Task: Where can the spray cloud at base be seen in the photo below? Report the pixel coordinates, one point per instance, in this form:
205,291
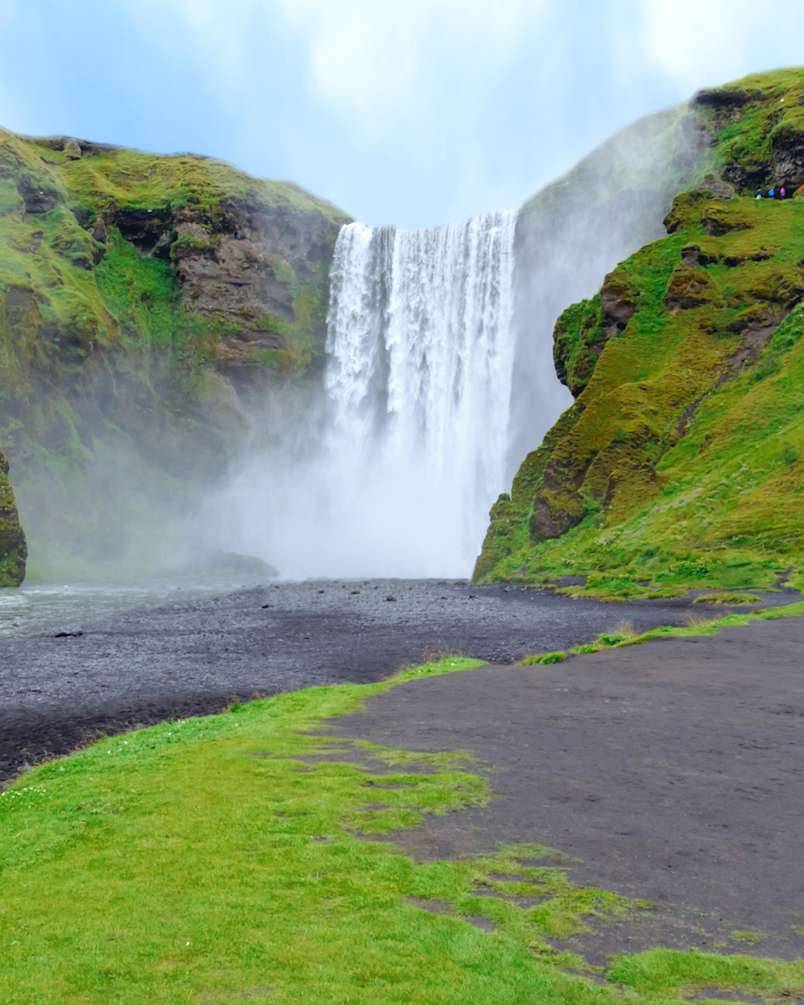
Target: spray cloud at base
411,435
439,375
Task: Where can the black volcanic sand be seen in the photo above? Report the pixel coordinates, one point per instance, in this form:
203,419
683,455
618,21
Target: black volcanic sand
671,771
181,659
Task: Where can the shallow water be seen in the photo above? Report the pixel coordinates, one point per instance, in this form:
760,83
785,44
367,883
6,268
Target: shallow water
69,606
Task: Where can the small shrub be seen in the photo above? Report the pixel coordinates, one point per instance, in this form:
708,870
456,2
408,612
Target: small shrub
543,659
698,621
727,598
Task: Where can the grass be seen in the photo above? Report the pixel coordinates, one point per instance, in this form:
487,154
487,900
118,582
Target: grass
100,348
728,598
236,857
624,634
680,465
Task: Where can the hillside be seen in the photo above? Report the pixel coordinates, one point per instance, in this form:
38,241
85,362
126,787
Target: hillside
141,297
13,548
680,463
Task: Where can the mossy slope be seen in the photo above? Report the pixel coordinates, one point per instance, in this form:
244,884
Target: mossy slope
140,297
681,462
13,548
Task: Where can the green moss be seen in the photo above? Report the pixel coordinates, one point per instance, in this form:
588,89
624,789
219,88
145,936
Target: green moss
622,636
98,346
272,885
679,466
728,598
13,548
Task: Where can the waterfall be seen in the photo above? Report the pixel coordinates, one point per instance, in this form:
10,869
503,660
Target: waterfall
391,471
418,381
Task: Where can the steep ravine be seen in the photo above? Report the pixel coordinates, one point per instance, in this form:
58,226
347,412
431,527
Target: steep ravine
680,462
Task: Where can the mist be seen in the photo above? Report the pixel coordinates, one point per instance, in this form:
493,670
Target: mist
437,379
439,376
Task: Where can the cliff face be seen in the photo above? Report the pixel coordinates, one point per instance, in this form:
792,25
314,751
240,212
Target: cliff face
13,549
141,298
577,229
680,462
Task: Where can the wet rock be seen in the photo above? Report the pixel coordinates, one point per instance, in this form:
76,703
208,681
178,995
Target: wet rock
788,157
689,287
617,299
693,254
38,198
13,546
723,97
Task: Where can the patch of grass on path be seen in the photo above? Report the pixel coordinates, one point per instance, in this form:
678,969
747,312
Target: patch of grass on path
620,636
228,858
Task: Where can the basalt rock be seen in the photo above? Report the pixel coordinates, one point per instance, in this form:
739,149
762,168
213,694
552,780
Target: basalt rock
38,198
13,548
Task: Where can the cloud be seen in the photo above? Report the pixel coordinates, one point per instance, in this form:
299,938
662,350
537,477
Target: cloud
219,35
375,64
696,42
10,106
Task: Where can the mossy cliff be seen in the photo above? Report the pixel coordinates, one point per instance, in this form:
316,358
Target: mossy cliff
13,549
681,462
577,229
141,297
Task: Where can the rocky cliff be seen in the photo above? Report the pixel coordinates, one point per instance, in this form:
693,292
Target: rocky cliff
680,462
13,549
141,298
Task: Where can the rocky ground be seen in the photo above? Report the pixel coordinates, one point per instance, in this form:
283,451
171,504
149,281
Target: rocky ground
671,771
77,680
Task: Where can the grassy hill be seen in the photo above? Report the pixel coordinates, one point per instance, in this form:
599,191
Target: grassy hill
681,462
140,297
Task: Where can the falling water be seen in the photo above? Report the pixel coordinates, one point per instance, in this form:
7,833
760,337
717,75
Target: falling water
420,356
393,472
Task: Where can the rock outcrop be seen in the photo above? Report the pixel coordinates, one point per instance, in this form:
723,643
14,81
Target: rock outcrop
143,300
13,549
680,462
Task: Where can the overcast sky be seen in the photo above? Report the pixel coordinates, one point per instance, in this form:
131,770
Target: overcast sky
412,112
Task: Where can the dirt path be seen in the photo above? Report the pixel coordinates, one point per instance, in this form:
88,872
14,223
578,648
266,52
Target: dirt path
672,771
59,689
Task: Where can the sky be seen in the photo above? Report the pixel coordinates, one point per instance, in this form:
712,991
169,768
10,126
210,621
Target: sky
415,112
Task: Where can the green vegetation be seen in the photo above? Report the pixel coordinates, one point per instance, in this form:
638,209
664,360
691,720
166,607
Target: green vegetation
233,857
145,181
624,634
680,465
728,598
13,548
133,287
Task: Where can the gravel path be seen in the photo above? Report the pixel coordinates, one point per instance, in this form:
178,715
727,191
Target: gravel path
184,658
672,771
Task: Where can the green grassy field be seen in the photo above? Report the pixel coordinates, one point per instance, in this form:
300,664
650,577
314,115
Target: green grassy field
239,857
